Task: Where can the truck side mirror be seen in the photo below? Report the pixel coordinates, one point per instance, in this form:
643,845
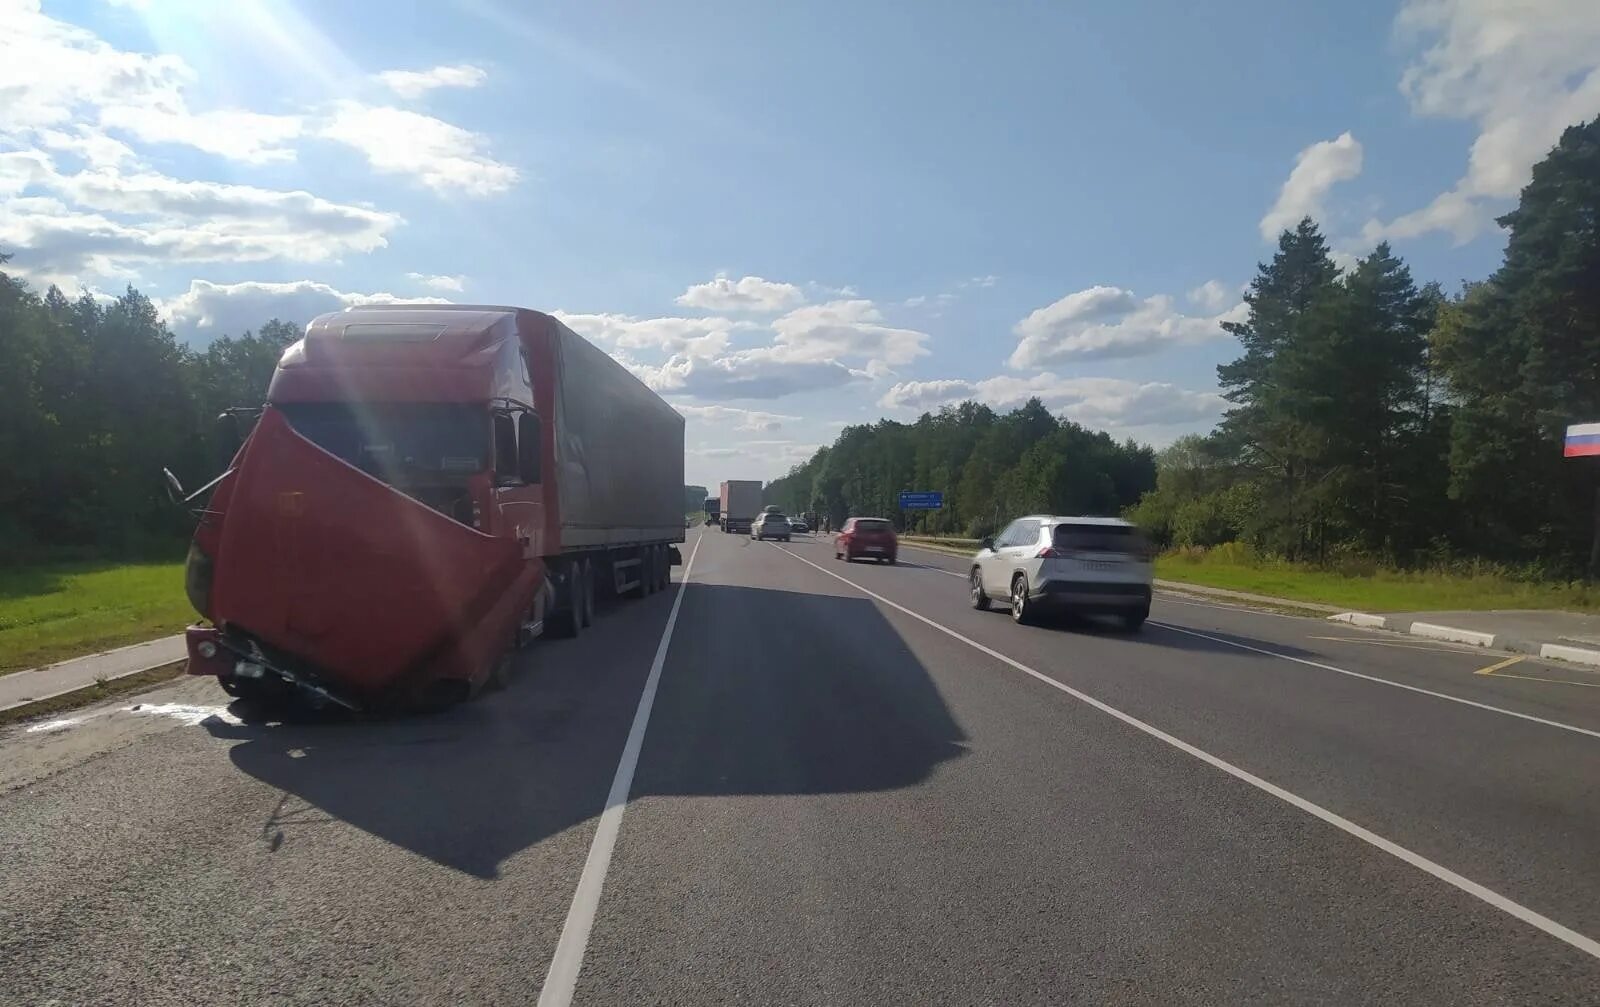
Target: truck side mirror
505,448
528,436
228,439
175,491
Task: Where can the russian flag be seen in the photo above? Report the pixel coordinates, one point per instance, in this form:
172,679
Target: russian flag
1583,440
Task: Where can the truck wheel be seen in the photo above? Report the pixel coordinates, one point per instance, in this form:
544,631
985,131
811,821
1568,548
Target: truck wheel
586,595
565,619
645,573
663,568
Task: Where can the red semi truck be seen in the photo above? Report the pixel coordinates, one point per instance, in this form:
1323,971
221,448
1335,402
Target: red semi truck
427,487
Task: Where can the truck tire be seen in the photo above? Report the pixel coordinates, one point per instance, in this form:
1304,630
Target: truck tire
586,595
645,573
565,619
663,568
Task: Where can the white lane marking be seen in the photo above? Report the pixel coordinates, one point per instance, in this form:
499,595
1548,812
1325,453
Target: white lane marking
1381,681
565,964
934,569
1587,945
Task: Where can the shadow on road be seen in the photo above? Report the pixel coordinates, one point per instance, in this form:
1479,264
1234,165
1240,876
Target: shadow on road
764,692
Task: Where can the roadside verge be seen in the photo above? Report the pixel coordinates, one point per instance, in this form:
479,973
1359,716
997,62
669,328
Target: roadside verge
1558,636
36,686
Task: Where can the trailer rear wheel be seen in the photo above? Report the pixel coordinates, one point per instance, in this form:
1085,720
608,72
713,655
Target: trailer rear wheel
663,568
586,594
644,577
565,620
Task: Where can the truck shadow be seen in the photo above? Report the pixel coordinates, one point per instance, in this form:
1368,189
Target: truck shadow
763,693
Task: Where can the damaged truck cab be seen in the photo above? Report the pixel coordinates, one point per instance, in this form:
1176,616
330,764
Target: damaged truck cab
427,487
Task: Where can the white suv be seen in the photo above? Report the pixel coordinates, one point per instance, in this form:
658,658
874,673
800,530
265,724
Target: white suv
1080,564
770,525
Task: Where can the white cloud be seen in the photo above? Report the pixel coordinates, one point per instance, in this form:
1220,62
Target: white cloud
452,283
748,293
103,220
1112,404
1521,72
916,302
690,337
1212,295
762,373
1110,322
921,395
731,418
91,146
1316,170
54,74
981,281
781,454
217,309
415,83
846,329
396,141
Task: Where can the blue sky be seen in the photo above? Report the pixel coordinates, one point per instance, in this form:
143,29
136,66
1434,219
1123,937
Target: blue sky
785,218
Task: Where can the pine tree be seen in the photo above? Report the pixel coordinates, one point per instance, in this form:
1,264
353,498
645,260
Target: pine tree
1521,353
1271,387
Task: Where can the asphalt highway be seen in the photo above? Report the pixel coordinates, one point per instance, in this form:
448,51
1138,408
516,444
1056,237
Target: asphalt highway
793,780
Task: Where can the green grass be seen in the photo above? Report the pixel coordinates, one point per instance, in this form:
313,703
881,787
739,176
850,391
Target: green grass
1364,587
53,611
1370,588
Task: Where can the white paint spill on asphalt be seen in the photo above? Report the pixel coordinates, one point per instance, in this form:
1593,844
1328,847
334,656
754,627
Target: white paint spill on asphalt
187,713
56,725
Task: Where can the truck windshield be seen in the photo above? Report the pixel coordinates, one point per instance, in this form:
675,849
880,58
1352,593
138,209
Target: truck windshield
409,442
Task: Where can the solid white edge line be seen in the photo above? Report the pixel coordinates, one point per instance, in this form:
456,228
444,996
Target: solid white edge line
1534,919
567,961
1381,681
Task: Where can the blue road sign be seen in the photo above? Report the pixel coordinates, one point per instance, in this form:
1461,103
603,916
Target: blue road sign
924,500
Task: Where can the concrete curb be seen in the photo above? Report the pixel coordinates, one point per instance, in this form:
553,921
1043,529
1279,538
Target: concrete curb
37,685
1471,637
1451,634
1361,619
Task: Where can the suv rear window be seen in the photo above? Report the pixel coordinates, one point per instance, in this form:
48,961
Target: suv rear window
1099,538
874,526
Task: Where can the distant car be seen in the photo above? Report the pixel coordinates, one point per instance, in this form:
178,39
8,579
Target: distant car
866,538
798,524
770,525
1044,563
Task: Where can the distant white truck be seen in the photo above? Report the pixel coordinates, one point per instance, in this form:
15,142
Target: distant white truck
741,502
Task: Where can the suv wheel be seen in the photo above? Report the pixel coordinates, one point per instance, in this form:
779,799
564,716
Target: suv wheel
1020,608
980,601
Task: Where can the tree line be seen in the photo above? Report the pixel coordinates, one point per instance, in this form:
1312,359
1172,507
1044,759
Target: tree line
1369,417
96,397
990,466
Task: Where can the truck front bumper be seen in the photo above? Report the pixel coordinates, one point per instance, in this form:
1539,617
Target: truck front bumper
208,655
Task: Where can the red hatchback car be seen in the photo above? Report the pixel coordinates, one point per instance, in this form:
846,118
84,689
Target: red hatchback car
866,537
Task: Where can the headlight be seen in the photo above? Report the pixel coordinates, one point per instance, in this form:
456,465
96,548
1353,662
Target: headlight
207,649
197,580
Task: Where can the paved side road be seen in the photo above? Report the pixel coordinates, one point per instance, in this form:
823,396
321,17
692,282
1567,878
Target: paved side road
20,688
844,786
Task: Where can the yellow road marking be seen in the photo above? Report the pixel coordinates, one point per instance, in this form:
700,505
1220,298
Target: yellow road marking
1553,681
1508,662
1388,643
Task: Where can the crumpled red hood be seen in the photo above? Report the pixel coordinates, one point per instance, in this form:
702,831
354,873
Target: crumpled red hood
322,560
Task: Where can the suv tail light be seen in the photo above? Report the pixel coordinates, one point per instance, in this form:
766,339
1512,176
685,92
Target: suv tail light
1048,552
